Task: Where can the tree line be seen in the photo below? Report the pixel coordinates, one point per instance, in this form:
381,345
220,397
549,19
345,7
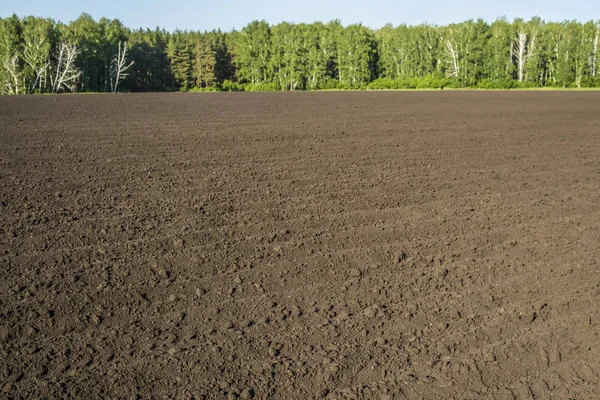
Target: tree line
39,55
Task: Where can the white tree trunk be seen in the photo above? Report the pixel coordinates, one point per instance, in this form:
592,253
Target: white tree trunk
594,54
520,52
11,66
454,70
119,66
33,55
66,71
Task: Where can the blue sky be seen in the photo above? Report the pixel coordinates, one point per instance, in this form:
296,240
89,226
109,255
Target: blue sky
228,14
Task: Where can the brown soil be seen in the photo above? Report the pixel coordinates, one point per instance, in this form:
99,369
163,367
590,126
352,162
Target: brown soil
307,245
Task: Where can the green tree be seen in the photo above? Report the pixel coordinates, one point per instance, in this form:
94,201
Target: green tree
224,68
205,64
301,56
428,39
392,51
356,56
254,52
289,56
499,67
38,37
86,35
152,69
11,66
112,33
316,61
180,55
587,35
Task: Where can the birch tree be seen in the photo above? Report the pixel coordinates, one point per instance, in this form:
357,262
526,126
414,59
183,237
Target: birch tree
13,77
10,64
317,57
464,51
519,51
356,50
427,38
564,55
36,52
452,50
254,52
523,48
590,43
431,39
282,55
328,48
498,52
453,70
394,51
119,66
594,56
453,47
66,72
289,56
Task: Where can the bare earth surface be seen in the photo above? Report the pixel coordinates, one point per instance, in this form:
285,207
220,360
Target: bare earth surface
437,245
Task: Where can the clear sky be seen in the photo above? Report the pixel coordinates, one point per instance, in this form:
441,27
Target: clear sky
228,14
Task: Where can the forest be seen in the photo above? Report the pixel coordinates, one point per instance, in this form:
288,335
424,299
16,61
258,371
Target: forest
40,55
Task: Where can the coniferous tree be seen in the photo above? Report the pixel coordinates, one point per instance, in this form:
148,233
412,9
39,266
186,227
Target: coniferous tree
205,61
179,51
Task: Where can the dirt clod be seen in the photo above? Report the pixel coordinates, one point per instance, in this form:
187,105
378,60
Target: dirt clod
355,272
400,257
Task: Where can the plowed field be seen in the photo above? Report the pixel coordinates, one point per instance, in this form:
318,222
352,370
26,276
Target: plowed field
389,245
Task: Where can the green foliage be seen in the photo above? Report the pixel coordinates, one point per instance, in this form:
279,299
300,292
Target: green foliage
38,35
254,52
152,69
499,66
356,56
428,82
328,83
260,87
179,50
433,82
11,64
590,82
86,34
212,63
317,56
406,52
201,89
463,46
230,86
382,84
